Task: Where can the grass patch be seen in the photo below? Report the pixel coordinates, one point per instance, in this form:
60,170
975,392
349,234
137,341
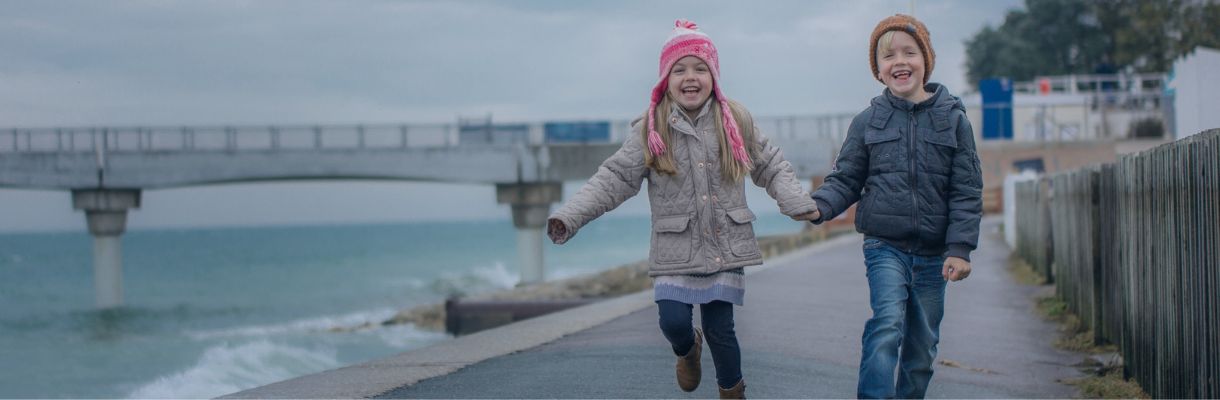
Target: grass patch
1074,336
1103,380
1052,307
1109,385
1023,273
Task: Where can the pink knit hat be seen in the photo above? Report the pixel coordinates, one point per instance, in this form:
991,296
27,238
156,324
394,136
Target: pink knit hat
687,40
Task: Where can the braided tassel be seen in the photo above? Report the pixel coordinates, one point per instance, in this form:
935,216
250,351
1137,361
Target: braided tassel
730,129
655,144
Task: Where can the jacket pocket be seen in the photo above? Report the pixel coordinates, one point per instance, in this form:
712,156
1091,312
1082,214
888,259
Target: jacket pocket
883,147
939,151
862,209
671,240
742,242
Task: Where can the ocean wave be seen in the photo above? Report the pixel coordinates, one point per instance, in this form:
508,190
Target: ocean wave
564,273
224,369
476,280
407,336
317,324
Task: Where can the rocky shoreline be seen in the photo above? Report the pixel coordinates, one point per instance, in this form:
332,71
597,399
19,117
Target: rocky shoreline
621,280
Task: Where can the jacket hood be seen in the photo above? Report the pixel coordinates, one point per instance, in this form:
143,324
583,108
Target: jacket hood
941,106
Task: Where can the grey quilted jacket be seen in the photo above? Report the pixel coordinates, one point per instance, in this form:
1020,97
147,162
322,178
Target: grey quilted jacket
915,172
700,223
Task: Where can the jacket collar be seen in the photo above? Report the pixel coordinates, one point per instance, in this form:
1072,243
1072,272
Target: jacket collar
677,115
939,105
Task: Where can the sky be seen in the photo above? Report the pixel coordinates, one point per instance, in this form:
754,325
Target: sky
171,63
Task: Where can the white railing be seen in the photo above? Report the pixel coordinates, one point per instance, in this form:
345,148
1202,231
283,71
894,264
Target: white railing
1089,84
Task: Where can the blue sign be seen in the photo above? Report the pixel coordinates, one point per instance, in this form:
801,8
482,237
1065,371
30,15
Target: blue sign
997,108
577,132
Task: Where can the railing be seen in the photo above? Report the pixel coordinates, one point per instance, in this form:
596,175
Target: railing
1136,254
1099,83
226,138
829,127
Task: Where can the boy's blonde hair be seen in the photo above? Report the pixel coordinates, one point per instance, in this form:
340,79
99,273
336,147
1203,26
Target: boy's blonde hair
883,43
730,169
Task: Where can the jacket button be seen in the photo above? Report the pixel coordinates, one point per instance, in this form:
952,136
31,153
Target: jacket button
713,198
705,197
700,165
717,259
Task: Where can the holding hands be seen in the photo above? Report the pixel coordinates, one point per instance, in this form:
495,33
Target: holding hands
810,216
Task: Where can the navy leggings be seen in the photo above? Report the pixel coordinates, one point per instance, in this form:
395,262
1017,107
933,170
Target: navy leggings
717,330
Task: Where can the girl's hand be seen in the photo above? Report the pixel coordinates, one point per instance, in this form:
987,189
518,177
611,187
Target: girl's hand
811,216
557,231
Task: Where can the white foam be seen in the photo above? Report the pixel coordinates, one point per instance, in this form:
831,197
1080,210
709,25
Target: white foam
565,273
318,324
409,283
407,336
476,280
498,275
224,369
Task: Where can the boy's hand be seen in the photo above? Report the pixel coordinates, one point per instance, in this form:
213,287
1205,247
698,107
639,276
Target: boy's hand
955,269
557,231
811,216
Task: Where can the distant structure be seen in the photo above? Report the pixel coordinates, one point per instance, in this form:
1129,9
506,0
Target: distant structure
1073,108
1195,85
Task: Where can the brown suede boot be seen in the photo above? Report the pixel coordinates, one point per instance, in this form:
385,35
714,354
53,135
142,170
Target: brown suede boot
689,369
738,391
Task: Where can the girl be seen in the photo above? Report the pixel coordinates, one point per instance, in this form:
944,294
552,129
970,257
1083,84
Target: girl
694,148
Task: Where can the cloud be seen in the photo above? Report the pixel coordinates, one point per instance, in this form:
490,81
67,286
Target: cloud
84,63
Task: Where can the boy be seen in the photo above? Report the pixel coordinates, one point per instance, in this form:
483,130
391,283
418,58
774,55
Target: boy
910,159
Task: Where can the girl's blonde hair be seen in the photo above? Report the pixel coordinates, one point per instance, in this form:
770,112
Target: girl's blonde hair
730,169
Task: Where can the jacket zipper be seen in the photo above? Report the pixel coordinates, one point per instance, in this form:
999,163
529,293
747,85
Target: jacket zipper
914,184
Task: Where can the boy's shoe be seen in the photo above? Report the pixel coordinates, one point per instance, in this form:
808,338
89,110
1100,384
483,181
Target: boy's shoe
689,370
738,391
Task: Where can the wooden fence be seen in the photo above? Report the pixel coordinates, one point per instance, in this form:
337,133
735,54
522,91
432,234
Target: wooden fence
1133,248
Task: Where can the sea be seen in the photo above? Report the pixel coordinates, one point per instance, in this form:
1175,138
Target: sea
212,311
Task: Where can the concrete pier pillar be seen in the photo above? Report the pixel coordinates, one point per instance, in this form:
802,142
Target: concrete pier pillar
531,204
106,215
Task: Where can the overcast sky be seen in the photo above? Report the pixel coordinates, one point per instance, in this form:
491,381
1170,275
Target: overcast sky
98,63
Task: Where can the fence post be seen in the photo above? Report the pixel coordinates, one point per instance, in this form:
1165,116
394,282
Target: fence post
1095,289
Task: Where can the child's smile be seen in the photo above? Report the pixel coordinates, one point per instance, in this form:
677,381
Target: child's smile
691,93
690,82
901,67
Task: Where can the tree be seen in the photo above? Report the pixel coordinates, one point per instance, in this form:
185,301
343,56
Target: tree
1056,37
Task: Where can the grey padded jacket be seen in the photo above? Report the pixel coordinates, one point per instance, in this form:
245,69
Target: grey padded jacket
700,223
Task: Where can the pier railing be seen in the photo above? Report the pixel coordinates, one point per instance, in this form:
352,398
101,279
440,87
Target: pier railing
824,127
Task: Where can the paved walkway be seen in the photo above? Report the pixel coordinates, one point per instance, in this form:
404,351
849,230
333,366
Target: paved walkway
799,333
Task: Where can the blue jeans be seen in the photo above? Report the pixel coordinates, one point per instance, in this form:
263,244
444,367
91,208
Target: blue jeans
717,330
907,294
